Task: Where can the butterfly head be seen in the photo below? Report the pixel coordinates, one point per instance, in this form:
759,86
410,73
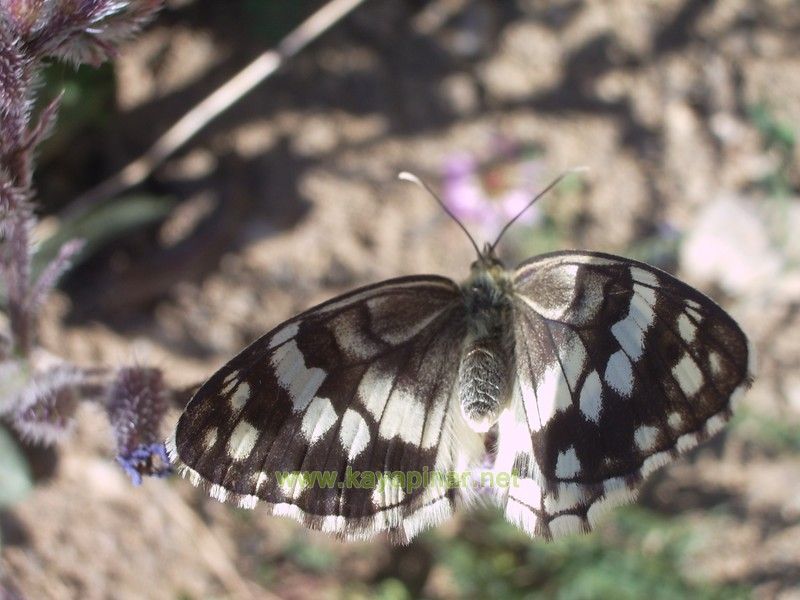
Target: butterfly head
488,262
486,291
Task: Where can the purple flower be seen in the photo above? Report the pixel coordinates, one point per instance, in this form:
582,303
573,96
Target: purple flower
489,192
80,31
39,397
46,407
136,406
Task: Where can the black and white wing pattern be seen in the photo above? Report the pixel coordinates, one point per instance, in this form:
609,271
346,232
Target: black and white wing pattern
362,383
619,367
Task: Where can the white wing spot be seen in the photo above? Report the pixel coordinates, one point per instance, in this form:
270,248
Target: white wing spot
240,397
715,361
295,483
299,381
675,420
387,492
568,496
694,313
210,438
529,404
284,335
655,461
567,465
374,389
737,395
403,417
514,437
597,511
566,524
646,437
552,392
630,331
642,293
194,477
614,485
686,328
591,400
424,517
248,501
688,375
686,442
646,277
520,515
333,523
529,490
629,335
259,478
433,425
229,382
574,361
715,423
242,441
619,373
218,492
319,418
353,434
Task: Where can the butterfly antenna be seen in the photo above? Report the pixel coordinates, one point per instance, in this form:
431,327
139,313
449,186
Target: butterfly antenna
406,176
552,184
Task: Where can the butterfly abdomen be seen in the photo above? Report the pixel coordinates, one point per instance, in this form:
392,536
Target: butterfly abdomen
485,371
483,381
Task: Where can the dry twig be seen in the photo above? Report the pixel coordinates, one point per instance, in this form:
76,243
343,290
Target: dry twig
214,105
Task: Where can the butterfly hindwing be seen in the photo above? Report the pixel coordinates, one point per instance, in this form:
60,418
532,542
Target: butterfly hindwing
362,383
619,368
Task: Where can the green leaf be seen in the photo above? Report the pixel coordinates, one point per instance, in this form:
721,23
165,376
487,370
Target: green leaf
101,225
15,475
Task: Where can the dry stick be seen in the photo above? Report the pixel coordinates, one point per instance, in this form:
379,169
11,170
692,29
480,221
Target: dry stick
212,106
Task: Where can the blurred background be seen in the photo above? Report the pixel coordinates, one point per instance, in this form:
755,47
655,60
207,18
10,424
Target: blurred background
685,113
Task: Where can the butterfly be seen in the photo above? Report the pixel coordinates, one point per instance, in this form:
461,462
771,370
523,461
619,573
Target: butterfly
552,389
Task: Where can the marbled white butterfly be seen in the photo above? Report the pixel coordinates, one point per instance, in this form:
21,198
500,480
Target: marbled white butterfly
574,374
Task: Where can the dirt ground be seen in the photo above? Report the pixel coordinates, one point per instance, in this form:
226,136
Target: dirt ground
678,108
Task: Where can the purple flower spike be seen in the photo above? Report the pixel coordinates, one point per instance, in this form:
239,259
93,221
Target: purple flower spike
39,393
45,404
50,419
136,406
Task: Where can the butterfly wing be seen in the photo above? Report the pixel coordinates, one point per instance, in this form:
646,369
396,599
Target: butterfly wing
620,367
362,383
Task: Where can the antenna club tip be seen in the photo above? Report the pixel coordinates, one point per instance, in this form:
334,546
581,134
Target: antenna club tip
407,176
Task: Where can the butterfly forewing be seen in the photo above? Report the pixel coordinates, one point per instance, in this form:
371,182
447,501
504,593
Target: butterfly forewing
604,369
620,366
361,383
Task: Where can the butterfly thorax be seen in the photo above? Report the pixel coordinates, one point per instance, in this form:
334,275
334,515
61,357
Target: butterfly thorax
484,372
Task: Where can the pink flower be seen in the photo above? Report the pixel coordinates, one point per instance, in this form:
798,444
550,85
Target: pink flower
491,192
